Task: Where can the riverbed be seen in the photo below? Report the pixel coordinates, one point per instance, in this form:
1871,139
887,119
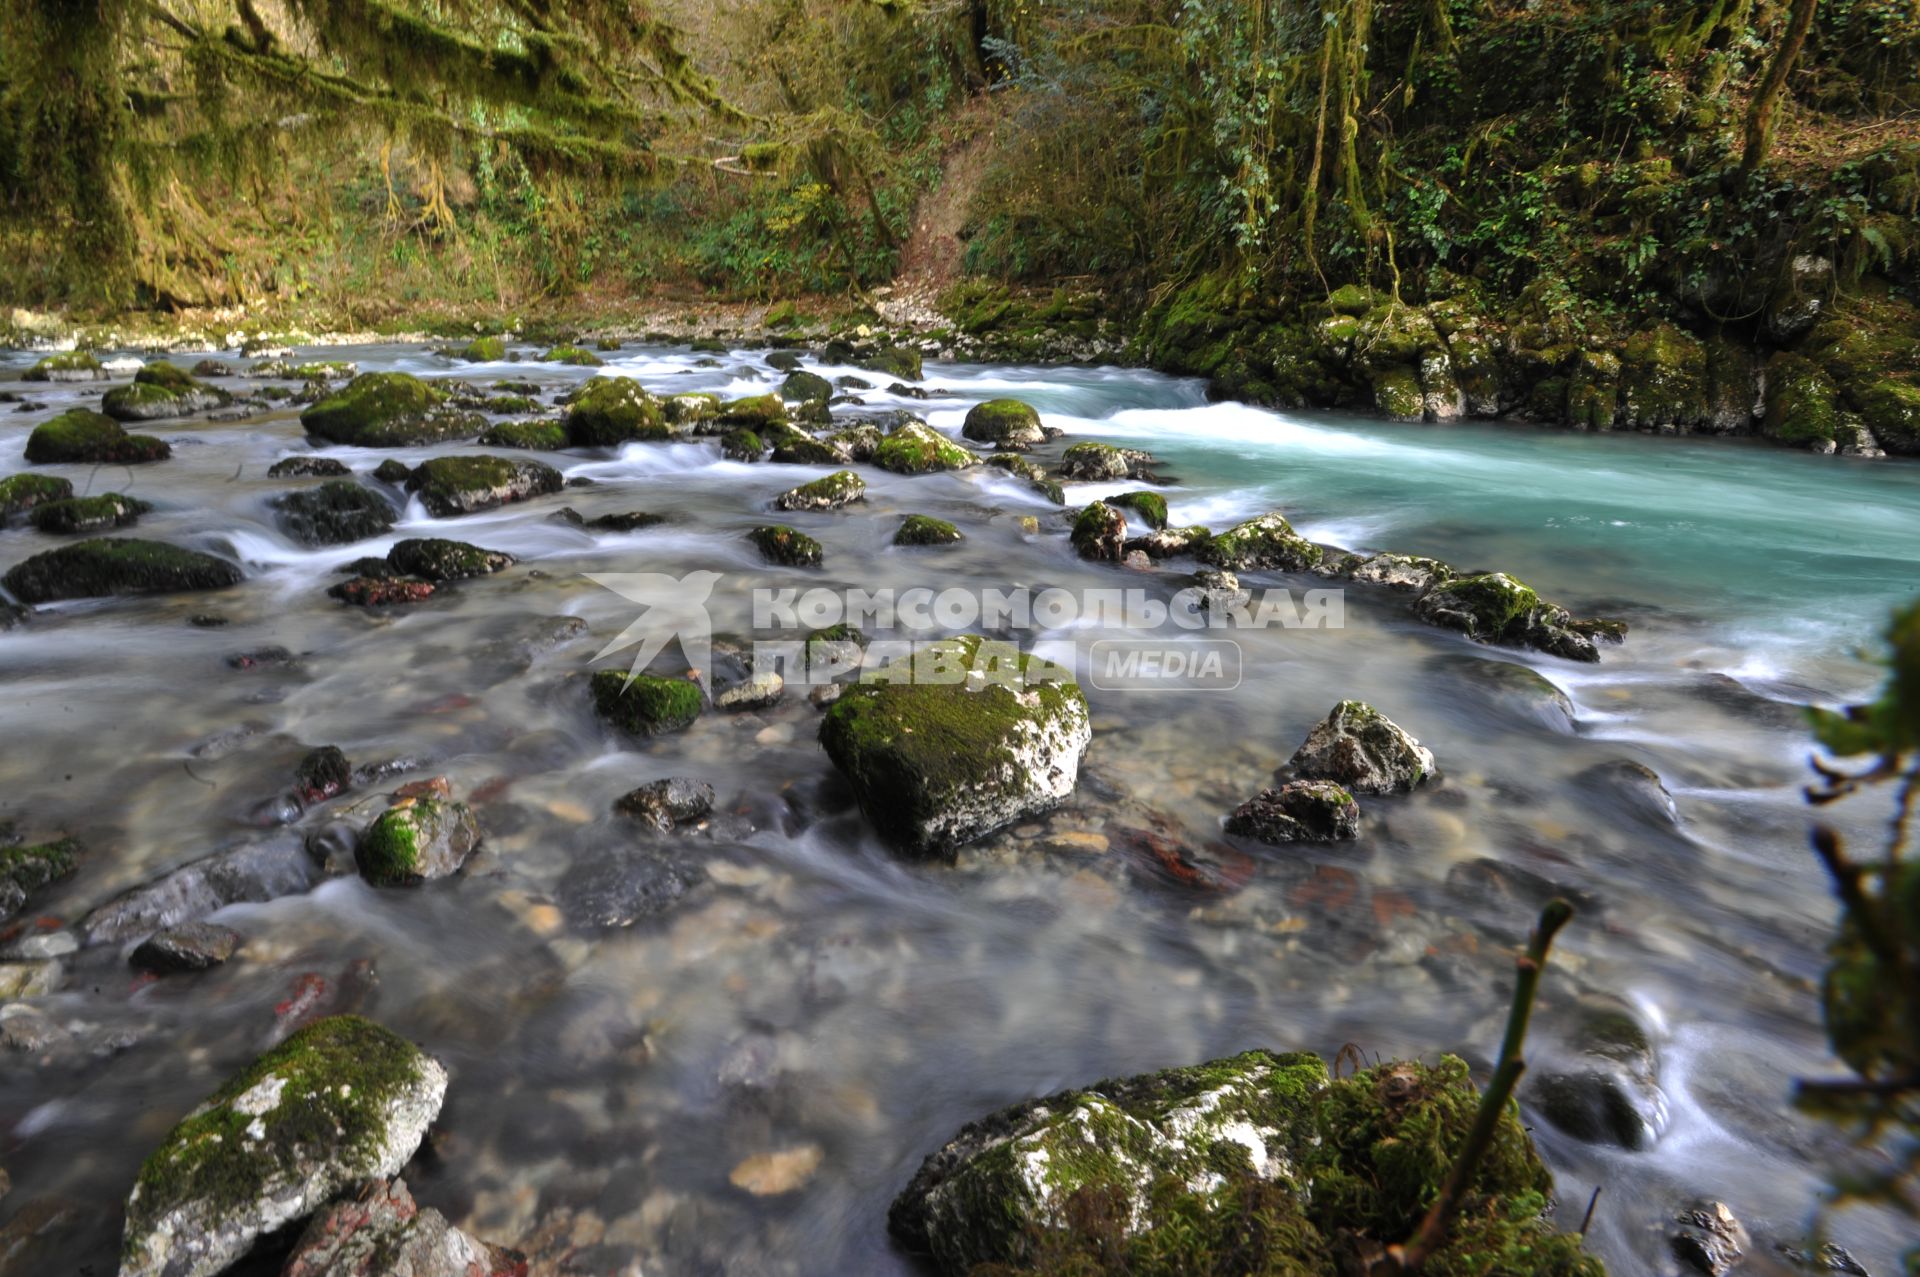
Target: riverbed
816,996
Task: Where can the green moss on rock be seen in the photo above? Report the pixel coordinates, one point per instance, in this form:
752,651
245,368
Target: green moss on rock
895,361
545,435
837,489
806,387
1267,541
416,840
65,365
783,545
1802,402
462,485
609,411
80,436
485,350
1150,506
795,447
388,410
438,559
103,513
742,445
1005,423
644,705
20,493
116,565
576,356
162,390
757,412
26,870
335,512
914,447
921,529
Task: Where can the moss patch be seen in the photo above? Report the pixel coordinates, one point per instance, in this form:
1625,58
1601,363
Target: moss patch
577,356
388,410
1150,506
783,545
917,448
80,436
756,412
920,529
19,493
644,705
88,514
609,411
547,435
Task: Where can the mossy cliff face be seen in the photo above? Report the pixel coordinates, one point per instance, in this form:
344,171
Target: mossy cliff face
341,1101
1848,383
389,410
79,436
938,764
1256,1164
609,411
116,565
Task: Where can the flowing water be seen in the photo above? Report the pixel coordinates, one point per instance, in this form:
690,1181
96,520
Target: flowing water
817,996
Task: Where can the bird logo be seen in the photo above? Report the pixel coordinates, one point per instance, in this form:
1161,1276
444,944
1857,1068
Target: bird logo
675,607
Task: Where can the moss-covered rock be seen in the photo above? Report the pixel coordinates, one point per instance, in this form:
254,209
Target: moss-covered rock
450,486
1890,408
103,513
162,390
837,489
340,1101
1495,608
24,871
742,445
1406,572
1663,381
1396,393
691,408
1100,533
756,412
577,356
415,840
1803,404
1298,811
1150,506
485,350
964,740
1093,462
66,365
783,545
20,493
609,411
644,705
81,437
794,447
1259,1163
334,513
806,387
1592,392
116,565
308,467
921,529
895,361
859,442
381,588
1364,750
392,471
913,447
548,434
1266,541
1007,424
438,559
389,410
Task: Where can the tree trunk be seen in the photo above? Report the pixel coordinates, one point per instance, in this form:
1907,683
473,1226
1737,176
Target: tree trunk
1766,99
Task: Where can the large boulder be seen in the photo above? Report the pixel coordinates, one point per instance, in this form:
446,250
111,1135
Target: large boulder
450,486
416,840
837,489
340,1101
1265,541
806,387
20,493
1359,747
609,411
1493,607
1007,424
162,390
250,873
1259,1163
389,410
333,513
941,761
914,447
382,1232
84,516
437,559
786,546
116,565
1100,533
65,365
82,437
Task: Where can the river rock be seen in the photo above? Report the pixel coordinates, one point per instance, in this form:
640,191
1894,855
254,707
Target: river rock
108,566
1493,607
1100,533
786,546
451,486
1256,1163
65,365
894,361
381,1232
1298,811
835,490
386,589
252,872
1095,462
644,704
20,493
1597,1078
804,387
1008,424
192,946
162,390
334,513
1405,572
914,447
663,804
87,515
437,559
760,690
322,774
1634,786
938,764
921,529
610,411
389,410
340,1101
415,840
1266,541
30,979
1710,1239
1364,750
622,886
1509,690
80,436
25,871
